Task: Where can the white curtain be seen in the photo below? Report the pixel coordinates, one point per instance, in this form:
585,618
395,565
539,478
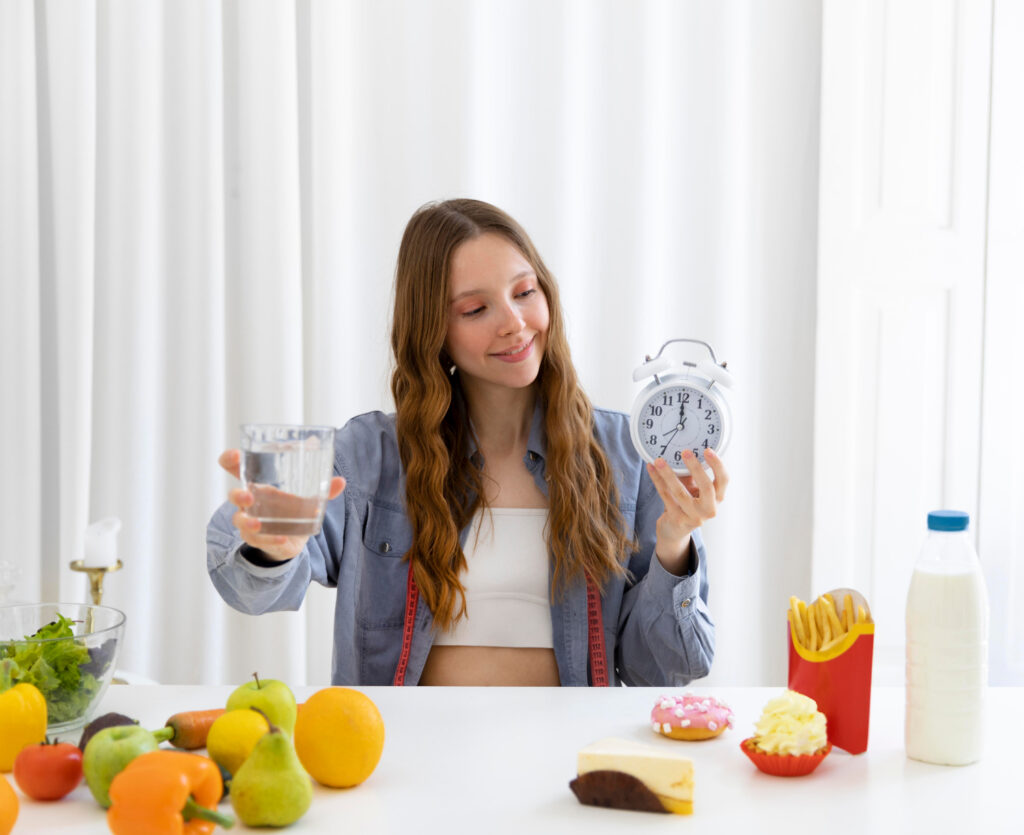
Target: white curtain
200,208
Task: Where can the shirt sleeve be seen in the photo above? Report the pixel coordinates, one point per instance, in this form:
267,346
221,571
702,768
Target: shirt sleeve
256,588
666,635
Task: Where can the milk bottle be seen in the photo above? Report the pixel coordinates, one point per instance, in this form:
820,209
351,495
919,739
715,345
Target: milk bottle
947,646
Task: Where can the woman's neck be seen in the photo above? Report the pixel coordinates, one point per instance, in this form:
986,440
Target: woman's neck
501,418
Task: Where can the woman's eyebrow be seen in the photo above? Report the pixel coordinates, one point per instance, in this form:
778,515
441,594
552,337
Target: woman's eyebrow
515,278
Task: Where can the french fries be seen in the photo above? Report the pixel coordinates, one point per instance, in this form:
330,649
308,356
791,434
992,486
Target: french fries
819,626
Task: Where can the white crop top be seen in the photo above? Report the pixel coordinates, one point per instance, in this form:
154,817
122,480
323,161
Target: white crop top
506,582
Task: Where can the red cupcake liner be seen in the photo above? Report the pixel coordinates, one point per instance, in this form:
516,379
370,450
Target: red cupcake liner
784,765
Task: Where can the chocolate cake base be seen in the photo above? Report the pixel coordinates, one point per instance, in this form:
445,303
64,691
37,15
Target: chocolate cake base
615,790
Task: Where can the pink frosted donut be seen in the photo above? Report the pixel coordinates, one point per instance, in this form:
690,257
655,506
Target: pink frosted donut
690,717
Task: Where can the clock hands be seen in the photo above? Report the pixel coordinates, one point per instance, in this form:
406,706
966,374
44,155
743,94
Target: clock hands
669,440
679,426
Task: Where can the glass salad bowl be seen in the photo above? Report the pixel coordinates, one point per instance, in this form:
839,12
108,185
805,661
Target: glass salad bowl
67,650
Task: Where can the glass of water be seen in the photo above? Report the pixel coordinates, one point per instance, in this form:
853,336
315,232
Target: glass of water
288,471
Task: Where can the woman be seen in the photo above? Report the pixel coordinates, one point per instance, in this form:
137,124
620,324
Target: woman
496,529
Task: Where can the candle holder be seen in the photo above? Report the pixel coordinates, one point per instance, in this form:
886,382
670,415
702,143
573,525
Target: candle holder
96,574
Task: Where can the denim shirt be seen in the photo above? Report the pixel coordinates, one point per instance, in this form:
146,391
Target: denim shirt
657,627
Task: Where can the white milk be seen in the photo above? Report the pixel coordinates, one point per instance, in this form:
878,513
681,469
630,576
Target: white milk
947,652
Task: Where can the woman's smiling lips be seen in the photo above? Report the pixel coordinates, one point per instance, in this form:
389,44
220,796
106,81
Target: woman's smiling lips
517,353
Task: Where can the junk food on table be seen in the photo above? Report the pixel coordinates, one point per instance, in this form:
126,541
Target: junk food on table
622,774
690,717
821,626
790,738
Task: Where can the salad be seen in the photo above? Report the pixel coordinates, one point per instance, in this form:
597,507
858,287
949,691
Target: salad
65,671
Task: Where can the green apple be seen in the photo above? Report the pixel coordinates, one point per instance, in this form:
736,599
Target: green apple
273,697
110,750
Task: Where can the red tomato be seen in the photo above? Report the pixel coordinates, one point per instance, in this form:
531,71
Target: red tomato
48,770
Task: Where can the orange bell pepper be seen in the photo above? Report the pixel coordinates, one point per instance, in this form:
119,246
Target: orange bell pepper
167,793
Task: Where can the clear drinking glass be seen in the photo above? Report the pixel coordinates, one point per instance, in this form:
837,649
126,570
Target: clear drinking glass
288,470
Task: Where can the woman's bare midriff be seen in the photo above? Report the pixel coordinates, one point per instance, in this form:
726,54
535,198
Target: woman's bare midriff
491,666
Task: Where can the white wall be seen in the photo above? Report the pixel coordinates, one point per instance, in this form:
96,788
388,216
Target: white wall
920,304
231,259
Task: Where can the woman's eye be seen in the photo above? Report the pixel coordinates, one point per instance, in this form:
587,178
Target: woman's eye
473,312
529,292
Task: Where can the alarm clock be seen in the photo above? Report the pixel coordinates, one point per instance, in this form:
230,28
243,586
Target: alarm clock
686,406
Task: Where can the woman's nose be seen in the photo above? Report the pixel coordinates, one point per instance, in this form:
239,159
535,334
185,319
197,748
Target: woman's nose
512,320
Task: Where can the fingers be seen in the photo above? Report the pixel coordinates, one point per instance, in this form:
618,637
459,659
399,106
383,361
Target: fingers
337,485
249,527
695,495
706,492
241,498
721,476
229,460
670,488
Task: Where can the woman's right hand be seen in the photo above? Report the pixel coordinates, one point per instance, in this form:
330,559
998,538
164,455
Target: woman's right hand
276,547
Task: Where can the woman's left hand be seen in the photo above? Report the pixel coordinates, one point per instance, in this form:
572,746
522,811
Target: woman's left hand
689,501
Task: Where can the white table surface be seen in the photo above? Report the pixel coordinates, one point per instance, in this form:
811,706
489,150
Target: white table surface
500,760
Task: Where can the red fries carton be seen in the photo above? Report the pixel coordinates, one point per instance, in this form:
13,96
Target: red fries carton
831,642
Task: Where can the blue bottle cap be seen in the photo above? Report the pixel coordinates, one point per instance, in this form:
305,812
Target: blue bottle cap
948,520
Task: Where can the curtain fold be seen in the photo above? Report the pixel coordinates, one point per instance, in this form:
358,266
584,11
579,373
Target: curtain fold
200,213
21,380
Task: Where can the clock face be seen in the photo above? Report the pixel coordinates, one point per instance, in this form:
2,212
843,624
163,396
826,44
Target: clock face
679,417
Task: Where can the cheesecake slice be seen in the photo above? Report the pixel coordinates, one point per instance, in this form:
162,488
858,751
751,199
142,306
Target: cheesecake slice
611,769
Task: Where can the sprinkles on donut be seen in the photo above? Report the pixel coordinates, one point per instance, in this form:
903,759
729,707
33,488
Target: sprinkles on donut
690,717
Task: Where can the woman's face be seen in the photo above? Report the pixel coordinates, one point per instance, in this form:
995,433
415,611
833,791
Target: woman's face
497,314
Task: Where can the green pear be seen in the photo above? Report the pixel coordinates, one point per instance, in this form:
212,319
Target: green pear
271,788
273,697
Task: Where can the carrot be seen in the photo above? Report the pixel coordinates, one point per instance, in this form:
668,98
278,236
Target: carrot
191,727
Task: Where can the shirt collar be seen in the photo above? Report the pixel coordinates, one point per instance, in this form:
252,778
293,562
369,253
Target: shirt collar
538,440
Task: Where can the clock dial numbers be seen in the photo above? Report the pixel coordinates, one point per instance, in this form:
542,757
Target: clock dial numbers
677,418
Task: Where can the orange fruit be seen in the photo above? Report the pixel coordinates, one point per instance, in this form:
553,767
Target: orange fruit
339,736
8,806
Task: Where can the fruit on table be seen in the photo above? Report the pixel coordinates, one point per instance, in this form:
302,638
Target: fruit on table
48,770
339,736
107,720
159,789
22,716
8,806
233,736
192,727
271,788
111,750
273,697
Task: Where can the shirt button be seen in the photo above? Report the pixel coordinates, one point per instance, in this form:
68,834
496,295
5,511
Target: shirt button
386,546
685,603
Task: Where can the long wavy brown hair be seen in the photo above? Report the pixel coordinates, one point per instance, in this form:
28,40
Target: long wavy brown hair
586,532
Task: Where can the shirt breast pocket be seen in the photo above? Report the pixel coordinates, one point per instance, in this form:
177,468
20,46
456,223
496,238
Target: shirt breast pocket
380,607
387,537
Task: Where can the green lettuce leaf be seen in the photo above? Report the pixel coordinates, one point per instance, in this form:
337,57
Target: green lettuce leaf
62,670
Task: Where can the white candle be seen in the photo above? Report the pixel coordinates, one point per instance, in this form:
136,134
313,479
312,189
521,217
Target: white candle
101,543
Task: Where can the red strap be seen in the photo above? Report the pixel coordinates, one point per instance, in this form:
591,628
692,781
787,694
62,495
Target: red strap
412,597
595,637
595,633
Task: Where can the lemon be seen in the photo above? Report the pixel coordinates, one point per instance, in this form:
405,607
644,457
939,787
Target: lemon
233,736
339,736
